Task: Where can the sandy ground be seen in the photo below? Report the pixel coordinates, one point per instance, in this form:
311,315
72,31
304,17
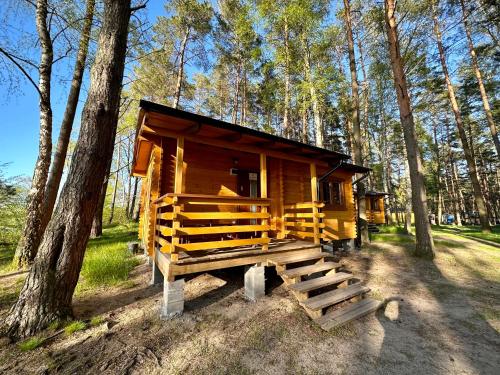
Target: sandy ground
441,317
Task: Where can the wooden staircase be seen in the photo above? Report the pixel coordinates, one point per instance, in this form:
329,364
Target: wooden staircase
331,298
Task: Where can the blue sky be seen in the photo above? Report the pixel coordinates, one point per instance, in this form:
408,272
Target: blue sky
19,128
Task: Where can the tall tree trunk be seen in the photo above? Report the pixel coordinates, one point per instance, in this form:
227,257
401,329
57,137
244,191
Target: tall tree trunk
357,143
318,126
366,92
236,101
32,230
180,69
96,230
115,186
438,174
134,197
244,99
286,111
408,198
469,156
305,120
57,167
424,241
48,289
477,72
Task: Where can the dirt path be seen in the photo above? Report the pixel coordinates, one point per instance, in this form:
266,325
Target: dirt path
441,317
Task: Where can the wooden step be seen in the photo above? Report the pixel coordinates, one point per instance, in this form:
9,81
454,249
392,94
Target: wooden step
301,258
313,268
320,282
348,313
335,296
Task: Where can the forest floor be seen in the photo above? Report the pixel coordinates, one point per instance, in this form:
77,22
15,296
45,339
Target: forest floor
440,316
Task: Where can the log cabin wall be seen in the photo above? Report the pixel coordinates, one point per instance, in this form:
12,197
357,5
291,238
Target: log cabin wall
375,216
340,222
207,171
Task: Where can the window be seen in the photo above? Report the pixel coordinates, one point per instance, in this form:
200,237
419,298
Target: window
376,204
332,193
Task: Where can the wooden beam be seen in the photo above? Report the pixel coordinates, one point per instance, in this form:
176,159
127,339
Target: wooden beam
314,198
231,137
179,165
263,194
193,231
193,129
281,233
231,146
223,215
221,244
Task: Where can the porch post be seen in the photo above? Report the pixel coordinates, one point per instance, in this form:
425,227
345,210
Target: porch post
263,194
179,174
179,165
314,198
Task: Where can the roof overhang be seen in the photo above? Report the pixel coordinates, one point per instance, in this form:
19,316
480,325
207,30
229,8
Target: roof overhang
354,168
156,121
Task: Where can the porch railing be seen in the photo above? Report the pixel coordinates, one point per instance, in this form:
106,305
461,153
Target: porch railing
303,220
190,222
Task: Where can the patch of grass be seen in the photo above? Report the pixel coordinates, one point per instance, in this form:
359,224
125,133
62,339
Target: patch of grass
376,294
96,320
344,331
6,256
490,313
451,244
394,229
107,261
55,325
30,344
390,237
470,231
75,326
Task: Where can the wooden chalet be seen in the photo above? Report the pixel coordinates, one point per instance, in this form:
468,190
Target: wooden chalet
218,195
375,209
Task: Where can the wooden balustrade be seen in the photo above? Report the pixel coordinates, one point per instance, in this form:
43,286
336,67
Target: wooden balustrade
303,220
184,221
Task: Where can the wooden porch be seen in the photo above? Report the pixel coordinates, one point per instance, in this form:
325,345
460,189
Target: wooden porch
203,261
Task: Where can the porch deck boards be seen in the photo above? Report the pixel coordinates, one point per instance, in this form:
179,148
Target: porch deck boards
201,261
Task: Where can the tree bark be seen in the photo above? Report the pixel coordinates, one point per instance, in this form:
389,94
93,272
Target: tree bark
477,72
318,126
408,198
424,241
57,167
286,114
96,230
236,100
134,198
32,230
180,70
115,186
356,127
47,292
438,173
469,156
305,120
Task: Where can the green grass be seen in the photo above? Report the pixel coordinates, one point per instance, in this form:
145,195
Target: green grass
30,344
470,231
75,326
392,237
393,229
96,320
6,255
107,261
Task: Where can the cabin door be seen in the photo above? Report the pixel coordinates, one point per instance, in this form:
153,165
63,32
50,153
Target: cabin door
248,186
